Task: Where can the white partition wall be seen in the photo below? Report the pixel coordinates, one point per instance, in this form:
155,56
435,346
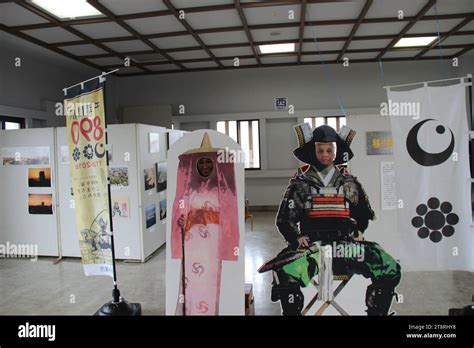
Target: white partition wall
24,220
155,235
173,136
129,145
53,228
127,232
69,242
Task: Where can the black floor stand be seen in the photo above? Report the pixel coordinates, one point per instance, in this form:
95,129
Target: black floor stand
118,306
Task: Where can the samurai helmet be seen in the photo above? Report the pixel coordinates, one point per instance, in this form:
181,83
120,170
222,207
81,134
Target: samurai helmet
306,151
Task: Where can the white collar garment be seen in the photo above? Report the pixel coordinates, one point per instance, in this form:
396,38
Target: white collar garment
326,179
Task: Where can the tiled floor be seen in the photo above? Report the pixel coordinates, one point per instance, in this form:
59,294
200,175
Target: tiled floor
42,288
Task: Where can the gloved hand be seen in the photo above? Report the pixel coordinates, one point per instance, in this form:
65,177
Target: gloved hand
303,242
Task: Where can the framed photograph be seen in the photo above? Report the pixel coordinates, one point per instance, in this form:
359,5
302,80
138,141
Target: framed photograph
39,155
150,215
118,176
154,142
379,143
149,176
39,177
120,207
162,209
161,172
40,204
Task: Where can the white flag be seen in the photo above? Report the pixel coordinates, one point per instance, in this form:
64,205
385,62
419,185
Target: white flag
431,151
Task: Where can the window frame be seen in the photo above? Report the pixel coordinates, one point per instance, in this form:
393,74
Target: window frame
337,117
238,138
4,119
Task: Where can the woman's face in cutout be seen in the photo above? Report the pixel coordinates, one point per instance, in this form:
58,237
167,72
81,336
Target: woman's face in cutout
205,166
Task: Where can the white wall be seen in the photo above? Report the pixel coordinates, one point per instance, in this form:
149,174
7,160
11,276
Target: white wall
253,90
31,90
249,94
367,170
156,115
266,186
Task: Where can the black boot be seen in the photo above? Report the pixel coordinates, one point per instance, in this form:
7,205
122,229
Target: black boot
291,298
378,300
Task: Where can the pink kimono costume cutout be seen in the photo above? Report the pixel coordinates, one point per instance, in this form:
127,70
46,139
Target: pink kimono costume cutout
207,207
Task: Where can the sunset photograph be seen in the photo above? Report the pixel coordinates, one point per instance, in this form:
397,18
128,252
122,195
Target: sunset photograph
41,204
39,177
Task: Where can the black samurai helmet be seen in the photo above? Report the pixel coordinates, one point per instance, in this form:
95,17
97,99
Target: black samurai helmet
306,151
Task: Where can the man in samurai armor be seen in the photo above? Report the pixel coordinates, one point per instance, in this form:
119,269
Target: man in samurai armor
325,205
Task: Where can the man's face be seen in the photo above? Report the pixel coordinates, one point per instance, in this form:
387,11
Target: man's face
205,166
325,153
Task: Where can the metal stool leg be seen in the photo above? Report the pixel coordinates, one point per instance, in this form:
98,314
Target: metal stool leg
324,285
325,305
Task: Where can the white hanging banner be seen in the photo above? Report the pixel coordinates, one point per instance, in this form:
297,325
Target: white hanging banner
431,151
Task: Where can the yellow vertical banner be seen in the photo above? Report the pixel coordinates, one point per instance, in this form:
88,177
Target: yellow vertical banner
85,119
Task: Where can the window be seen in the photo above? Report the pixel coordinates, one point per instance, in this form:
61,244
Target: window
247,134
9,123
335,122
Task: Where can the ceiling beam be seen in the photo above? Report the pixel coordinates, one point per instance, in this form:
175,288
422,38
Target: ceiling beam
213,30
84,37
271,65
148,14
199,9
288,54
461,52
137,35
301,30
246,44
323,39
444,37
356,26
202,46
420,14
46,46
191,31
238,7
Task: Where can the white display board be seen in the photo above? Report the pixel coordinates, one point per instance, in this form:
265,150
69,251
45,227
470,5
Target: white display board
55,234
155,235
173,136
232,283
23,221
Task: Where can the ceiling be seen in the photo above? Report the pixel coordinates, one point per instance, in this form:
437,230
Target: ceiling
214,32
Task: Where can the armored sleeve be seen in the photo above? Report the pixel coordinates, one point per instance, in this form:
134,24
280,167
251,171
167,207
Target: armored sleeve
360,208
290,212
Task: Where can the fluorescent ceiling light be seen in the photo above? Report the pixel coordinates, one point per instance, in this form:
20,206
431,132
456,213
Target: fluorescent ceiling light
65,9
277,48
415,41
